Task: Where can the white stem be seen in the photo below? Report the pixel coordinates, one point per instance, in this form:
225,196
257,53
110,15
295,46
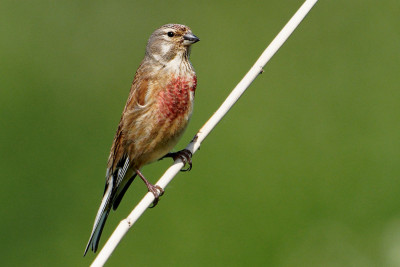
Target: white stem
193,146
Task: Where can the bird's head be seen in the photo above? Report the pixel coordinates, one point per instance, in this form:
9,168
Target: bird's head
170,41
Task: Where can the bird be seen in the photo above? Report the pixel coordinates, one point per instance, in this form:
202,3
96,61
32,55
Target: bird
156,114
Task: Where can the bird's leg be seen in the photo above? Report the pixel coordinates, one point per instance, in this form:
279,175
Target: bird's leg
155,189
184,155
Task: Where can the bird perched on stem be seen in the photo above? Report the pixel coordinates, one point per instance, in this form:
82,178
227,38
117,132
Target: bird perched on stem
155,116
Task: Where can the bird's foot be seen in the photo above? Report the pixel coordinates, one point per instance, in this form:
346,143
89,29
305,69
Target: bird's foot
156,190
184,155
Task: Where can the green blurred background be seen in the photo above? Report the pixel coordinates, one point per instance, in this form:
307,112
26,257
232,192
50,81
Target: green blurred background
304,170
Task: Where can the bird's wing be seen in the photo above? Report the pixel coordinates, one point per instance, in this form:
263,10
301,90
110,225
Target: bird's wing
119,163
135,106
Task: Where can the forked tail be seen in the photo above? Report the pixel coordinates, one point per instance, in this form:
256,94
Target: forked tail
100,220
114,191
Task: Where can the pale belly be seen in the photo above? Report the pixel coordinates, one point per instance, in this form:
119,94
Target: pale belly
164,148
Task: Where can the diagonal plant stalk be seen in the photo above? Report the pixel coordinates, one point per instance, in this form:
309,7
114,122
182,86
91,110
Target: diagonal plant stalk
194,145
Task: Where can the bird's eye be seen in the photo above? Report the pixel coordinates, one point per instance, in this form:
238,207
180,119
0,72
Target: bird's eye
170,34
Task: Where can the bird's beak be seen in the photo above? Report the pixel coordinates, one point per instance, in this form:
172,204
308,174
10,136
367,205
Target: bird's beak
190,38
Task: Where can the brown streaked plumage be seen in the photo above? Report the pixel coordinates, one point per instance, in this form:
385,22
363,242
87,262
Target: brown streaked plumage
155,116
